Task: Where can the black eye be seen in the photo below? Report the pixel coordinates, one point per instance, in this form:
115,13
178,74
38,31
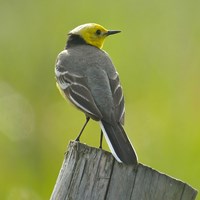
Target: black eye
98,32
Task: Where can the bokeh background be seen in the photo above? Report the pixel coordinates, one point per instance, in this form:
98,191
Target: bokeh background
158,58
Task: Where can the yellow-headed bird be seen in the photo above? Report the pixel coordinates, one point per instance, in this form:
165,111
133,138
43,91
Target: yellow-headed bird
87,77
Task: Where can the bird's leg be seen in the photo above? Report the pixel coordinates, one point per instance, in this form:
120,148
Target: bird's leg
101,139
79,135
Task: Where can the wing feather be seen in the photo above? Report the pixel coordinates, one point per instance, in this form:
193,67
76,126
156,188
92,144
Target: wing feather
76,90
118,99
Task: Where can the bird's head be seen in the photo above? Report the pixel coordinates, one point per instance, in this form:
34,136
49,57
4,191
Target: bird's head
93,34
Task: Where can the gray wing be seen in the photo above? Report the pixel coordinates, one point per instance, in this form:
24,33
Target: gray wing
118,99
76,90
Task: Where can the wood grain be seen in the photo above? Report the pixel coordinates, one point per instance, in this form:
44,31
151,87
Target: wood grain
89,173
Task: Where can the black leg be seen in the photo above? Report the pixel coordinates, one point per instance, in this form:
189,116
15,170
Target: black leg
101,139
79,135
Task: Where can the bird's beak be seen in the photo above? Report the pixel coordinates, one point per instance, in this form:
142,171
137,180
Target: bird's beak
111,32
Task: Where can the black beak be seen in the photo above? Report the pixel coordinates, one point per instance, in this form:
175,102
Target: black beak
111,32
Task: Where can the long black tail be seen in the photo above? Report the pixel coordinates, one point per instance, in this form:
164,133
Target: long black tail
119,143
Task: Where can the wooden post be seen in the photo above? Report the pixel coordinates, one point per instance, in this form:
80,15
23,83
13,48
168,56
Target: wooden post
89,173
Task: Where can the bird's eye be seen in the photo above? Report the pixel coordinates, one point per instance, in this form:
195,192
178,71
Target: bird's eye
98,32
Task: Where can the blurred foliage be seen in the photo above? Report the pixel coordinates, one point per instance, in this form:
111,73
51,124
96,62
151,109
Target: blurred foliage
157,57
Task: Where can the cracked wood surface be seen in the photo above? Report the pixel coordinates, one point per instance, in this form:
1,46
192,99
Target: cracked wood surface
89,173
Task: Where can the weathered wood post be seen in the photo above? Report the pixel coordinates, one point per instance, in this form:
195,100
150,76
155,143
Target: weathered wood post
89,173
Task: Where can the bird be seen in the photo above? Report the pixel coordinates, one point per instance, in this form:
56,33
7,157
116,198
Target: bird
86,76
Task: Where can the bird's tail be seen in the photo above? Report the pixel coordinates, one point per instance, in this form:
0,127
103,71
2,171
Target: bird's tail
119,143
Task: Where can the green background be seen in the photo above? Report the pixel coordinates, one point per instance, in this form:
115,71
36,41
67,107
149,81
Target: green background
158,58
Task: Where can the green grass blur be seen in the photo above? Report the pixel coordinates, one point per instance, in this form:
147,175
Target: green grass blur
158,58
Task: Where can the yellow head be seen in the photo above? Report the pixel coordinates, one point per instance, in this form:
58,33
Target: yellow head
93,34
